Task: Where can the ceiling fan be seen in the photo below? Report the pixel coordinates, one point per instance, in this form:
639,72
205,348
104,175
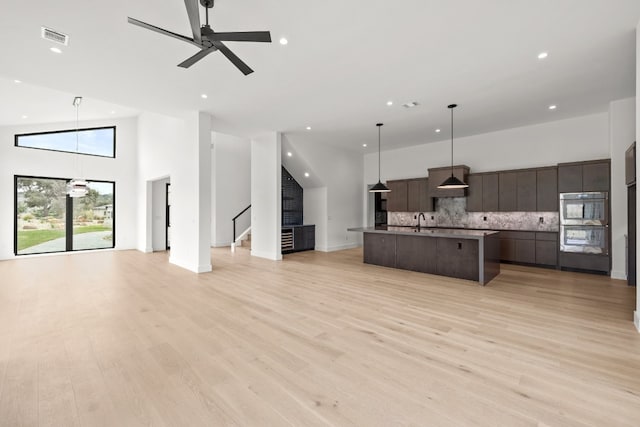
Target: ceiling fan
206,39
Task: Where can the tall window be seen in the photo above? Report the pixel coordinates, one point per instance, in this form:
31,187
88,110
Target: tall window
94,141
48,220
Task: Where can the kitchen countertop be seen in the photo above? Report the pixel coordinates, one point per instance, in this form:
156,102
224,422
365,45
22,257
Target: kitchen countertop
452,233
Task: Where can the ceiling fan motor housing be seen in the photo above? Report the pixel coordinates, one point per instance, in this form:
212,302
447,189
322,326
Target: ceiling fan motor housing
207,3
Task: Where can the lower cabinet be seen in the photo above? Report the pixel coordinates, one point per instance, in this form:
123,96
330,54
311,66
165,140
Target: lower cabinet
298,238
380,249
457,258
416,253
529,247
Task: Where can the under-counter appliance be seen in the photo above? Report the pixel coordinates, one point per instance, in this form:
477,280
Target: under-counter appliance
584,223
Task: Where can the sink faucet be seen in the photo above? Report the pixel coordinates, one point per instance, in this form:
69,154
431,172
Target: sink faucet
423,217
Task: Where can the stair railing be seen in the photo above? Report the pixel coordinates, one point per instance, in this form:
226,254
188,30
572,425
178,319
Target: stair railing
234,222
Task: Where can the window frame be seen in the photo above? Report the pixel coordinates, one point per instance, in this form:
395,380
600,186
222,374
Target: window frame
18,135
68,219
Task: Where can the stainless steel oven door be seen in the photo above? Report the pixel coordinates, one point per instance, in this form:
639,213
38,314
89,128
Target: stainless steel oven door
586,239
584,208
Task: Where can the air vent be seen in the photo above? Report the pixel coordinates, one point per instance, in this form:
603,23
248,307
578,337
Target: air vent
410,104
55,36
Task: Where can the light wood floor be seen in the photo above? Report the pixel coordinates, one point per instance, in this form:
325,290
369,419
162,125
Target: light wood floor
125,339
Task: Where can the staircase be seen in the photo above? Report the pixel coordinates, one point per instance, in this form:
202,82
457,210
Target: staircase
243,240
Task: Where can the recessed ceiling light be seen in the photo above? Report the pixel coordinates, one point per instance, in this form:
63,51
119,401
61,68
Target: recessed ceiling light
17,81
438,130
113,112
306,174
542,55
410,104
55,50
389,103
24,116
308,127
204,96
284,41
552,107
289,153
364,145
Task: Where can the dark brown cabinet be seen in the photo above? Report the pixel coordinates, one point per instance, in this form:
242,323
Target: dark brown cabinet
416,253
529,247
397,198
630,165
547,250
585,176
418,198
547,190
526,191
596,176
475,193
380,249
457,258
508,189
490,192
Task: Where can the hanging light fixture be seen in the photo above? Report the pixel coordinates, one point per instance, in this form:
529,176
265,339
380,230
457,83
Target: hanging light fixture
77,187
379,187
452,182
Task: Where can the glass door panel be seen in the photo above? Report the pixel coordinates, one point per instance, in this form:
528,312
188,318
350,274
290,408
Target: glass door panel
93,217
41,215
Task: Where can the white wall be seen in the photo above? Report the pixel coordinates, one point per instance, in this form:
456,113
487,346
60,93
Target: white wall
159,214
315,212
231,185
179,148
576,139
24,161
339,207
266,196
622,130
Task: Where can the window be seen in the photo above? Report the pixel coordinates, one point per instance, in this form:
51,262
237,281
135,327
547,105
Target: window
48,220
94,141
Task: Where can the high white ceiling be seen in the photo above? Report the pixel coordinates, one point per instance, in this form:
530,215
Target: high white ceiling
344,61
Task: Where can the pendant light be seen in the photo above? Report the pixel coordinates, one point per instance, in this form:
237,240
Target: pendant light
379,187
452,182
77,187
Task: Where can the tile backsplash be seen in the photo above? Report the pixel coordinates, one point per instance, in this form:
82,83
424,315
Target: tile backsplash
452,212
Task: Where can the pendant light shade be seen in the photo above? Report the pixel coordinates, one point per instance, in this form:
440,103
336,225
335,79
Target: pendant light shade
452,182
77,187
379,187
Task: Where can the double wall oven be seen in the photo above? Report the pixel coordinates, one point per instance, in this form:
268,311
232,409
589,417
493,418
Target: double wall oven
584,223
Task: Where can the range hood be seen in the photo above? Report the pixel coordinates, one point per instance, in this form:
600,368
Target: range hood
438,175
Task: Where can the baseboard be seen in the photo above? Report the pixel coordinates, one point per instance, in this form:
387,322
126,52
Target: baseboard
636,320
202,268
619,274
337,248
267,255
221,245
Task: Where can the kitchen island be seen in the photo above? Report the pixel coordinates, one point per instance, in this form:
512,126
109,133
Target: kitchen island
465,254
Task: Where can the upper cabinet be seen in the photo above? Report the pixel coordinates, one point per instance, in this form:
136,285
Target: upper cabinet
630,165
483,194
547,189
409,195
397,198
438,175
526,190
584,176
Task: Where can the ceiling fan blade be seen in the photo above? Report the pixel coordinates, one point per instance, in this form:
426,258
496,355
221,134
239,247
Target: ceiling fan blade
193,10
246,70
197,57
248,36
161,31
